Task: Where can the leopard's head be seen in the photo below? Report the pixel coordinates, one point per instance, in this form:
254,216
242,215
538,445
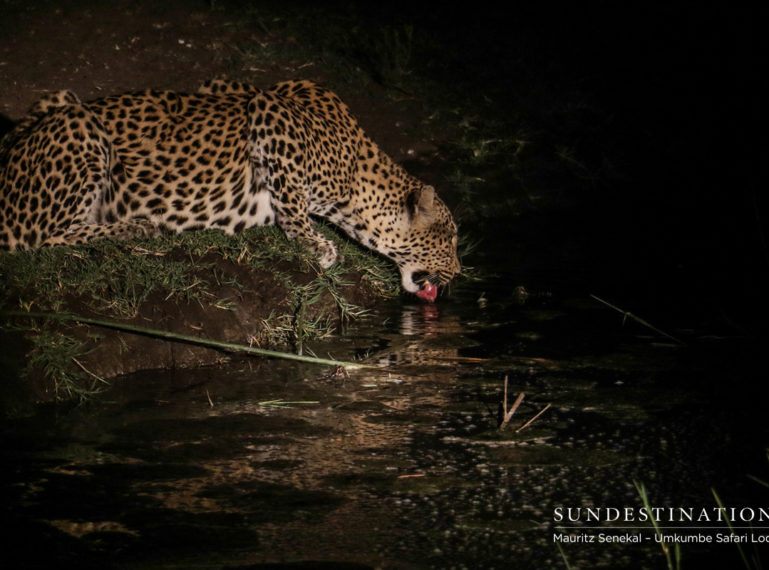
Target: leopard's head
425,244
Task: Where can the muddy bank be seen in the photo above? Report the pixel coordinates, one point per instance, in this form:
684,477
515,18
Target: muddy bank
277,303
245,320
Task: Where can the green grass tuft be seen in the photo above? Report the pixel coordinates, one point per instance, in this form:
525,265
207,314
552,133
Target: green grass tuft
115,279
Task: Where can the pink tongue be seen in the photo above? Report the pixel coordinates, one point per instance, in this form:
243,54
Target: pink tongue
428,292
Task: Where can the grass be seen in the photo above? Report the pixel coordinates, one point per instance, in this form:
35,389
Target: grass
113,280
672,555
750,564
563,555
754,561
158,333
54,353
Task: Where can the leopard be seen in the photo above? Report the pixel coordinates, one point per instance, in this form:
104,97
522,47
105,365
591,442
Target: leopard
226,156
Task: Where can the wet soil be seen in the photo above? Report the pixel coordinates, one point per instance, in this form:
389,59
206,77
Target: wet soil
244,320
240,304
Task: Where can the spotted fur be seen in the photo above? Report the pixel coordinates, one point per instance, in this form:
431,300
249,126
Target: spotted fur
229,157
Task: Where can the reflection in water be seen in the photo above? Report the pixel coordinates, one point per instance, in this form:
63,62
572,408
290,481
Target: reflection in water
420,320
425,336
401,467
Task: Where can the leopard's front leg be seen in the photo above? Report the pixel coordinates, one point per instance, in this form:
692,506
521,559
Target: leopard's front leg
280,143
293,217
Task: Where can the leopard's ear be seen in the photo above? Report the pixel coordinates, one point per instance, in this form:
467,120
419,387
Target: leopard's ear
426,199
421,204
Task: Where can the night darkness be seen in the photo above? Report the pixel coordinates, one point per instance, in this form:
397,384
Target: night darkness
594,148
673,92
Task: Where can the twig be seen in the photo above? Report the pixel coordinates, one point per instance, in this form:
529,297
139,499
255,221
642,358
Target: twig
628,315
284,403
462,359
508,415
180,337
527,424
84,369
504,399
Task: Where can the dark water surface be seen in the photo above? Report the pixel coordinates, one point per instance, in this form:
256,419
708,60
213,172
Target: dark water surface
266,464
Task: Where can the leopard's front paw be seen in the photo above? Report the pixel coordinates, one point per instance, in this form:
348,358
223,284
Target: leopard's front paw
327,254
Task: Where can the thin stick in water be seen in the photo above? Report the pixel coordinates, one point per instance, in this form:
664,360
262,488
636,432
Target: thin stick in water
508,415
639,320
180,337
527,424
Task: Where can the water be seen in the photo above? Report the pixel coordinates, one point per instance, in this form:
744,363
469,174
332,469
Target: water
267,464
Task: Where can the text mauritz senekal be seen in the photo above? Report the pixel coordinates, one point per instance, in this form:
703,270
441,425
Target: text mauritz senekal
708,529
666,537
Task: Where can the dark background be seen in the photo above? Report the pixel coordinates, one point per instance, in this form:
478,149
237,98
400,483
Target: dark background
669,98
